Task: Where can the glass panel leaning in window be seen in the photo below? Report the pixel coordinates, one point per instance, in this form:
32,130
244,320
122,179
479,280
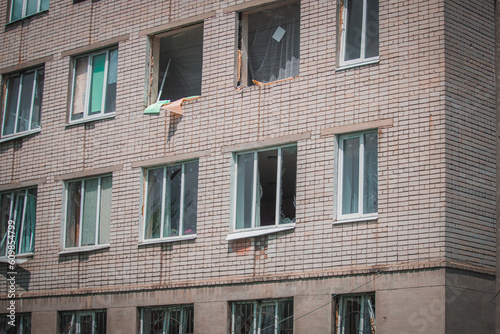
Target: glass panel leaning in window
93,92
265,184
23,8
168,320
83,322
262,316
18,206
88,212
355,314
359,31
23,102
358,176
171,201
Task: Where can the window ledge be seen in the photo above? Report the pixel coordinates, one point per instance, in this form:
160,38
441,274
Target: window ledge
82,249
170,239
356,219
258,232
19,258
90,119
370,61
19,135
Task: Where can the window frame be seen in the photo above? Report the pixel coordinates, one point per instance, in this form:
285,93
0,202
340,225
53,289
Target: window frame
184,308
79,314
6,83
359,215
182,235
90,58
12,211
253,230
24,8
340,307
24,321
66,199
153,60
362,60
257,313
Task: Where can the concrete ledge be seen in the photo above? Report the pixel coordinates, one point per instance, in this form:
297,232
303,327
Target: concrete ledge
383,123
176,24
22,184
95,46
171,159
25,65
266,142
250,4
90,172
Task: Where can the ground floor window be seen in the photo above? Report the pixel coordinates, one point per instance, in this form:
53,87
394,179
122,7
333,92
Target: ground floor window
167,320
355,314
83,322
273,316
21,324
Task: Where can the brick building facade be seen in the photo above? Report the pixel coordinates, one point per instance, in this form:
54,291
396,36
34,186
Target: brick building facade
337,170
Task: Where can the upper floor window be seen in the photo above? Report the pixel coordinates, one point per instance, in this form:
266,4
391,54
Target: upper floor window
355,314
23,8
83,322
264,186
22,324
177,64
23,102
18,207
168,320
171,201
359,34
88,212
358,176
93,87
262,316
269,44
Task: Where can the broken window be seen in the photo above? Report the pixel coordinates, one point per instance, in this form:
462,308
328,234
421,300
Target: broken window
18,206
168,320
354,314
269,44
22,324
88,212
93,89
171,201
23,102
176,64
265,183
359,31
262,316
358,175
22,8
83,322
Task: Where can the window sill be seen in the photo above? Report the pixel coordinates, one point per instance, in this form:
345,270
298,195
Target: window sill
347,66
363,218
258,232
90,119
164,240
26,17
19,135
19,258
82,249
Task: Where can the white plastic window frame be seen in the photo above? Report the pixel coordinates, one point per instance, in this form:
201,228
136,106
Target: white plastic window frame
343,64
12,215
86,117
256,230
79,247
362,299
358,216
30,130
257,314
168,309
78,316
181,235
24,9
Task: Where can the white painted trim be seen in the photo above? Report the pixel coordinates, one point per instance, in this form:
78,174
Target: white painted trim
358,63
82,249
362,218
90,119
258,232
20,134
165,240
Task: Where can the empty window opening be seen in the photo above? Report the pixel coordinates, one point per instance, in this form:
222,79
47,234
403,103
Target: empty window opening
23,102
167,320
177,64
269,44
265,187
263,316
22,324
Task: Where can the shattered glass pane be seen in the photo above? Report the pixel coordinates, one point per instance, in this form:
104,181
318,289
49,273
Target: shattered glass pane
288,184
73,214
153,203
266,187
190,197
80,87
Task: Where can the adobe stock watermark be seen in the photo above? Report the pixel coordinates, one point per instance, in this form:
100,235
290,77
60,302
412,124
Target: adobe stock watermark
11,274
